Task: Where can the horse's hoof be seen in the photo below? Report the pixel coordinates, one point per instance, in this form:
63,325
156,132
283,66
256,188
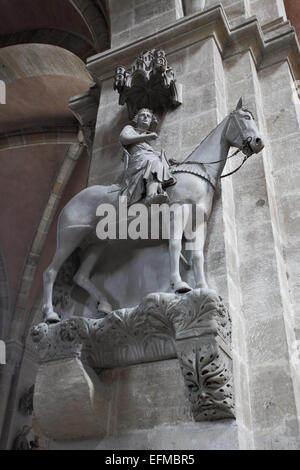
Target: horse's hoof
52,318
180,287
104,307
201,286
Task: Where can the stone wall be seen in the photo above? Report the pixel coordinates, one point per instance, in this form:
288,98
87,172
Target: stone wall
252,249
252,262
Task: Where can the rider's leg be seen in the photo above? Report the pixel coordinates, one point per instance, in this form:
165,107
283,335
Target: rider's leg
152,188
154,193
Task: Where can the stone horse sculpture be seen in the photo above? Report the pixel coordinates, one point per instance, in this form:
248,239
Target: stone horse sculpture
196,179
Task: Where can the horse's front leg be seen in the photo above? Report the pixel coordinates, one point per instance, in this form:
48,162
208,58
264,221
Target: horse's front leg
197,240
198,267
175,247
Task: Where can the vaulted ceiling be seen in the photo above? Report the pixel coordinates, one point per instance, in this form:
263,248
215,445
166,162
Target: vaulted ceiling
43,47
80,26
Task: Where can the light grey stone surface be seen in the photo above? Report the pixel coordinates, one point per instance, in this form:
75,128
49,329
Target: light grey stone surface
182,436
195,327
193,6
70,401
264,363
256,297
253,262
134,19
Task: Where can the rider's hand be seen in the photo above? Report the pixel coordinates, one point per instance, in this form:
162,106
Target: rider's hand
152,136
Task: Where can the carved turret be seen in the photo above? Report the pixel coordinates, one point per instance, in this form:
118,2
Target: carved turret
149,83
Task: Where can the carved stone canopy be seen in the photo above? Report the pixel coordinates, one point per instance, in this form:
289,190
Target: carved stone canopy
149,83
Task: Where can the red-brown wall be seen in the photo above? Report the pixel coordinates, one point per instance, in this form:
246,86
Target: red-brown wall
293,13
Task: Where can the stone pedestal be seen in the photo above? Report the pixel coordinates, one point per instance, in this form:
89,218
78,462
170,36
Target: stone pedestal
75,405
83,361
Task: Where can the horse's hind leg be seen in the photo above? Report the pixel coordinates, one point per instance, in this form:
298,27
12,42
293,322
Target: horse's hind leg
67,241
82,277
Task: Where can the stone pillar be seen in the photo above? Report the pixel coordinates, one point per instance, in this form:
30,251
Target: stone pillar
17,376
267,411
193,6
236,10
9,376
76,405
135,19
282,117
268,10
6,373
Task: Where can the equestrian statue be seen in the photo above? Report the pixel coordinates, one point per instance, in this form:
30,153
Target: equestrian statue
149,178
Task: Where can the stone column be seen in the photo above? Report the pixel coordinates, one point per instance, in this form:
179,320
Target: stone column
193,6
76,404
135,19
23,378
9,376
266,402
282,117
236,10
268,10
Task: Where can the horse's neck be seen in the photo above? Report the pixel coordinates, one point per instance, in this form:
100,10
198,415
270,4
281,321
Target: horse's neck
214,148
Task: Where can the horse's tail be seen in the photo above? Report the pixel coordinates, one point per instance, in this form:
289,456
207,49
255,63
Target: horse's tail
64,280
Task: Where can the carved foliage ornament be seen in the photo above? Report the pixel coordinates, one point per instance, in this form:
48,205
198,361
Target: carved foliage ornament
195,327
208,378
149,83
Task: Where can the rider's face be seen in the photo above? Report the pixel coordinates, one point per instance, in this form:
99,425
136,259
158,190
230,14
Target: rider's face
144,119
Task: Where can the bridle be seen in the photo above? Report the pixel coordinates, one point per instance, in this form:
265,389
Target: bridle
245,145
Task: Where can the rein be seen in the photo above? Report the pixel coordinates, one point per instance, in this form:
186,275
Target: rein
246,144
218,161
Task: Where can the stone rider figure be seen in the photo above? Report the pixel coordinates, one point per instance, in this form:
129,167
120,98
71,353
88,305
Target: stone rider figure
147,172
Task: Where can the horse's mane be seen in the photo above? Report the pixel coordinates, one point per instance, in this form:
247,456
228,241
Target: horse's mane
205,138
246,110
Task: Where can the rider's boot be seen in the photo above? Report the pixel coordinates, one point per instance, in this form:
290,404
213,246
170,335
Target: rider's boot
155,194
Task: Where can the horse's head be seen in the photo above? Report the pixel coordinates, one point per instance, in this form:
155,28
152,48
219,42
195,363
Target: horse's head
242,131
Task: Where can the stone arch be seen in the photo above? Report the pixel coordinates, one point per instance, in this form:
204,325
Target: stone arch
40,80
4,297
96,17
80,26
2,92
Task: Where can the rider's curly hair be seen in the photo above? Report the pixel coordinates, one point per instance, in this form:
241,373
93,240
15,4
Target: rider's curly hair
154,121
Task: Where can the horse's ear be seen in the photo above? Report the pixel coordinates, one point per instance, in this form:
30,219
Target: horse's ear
240,104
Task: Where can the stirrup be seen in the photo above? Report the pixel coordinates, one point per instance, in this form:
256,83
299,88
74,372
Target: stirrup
160,198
